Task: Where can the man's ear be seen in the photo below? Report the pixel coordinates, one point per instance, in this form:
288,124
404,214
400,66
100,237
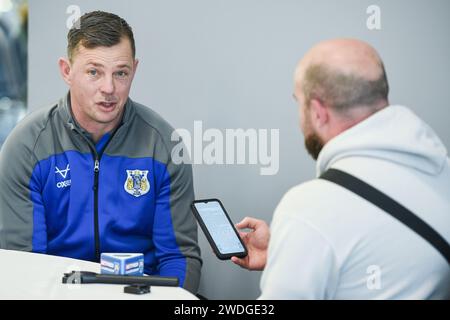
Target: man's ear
319,113
65,67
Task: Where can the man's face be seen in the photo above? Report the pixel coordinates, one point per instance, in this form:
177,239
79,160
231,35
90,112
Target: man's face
100,81
313,143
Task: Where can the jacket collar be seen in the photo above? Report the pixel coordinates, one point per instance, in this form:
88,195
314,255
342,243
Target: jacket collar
65,110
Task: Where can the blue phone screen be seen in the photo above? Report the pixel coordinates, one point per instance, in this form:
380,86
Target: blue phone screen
219,227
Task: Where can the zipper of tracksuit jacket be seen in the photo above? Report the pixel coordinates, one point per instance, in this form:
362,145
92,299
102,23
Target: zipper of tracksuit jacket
96,228
97,157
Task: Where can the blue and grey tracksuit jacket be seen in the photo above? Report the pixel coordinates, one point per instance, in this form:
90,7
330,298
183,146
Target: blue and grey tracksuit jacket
61,194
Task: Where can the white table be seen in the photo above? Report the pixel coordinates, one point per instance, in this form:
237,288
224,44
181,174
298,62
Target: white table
25,275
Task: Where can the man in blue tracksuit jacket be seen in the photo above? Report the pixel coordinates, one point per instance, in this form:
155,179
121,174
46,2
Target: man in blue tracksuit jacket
94,173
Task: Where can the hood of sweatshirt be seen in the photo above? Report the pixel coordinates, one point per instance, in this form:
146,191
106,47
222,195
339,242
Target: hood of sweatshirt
394,134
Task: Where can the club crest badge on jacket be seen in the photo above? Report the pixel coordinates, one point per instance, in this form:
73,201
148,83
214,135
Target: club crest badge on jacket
137,183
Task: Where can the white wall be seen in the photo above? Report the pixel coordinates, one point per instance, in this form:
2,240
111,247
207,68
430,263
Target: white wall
230,64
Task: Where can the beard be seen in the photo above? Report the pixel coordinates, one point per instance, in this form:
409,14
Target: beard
313,145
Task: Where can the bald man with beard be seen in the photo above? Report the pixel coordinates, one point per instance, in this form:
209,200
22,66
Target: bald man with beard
326,242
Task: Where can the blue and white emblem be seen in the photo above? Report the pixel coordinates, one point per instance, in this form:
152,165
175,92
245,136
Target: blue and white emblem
137,183
65,174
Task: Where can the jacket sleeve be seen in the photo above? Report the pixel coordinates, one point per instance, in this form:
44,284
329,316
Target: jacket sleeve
22,214
175,229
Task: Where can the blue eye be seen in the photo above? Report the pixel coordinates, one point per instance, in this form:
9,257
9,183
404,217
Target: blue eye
92,72
121,74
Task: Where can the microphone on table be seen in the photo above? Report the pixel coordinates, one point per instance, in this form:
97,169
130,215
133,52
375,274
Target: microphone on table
79,277
121,268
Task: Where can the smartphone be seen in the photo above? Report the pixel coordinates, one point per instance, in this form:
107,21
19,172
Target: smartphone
218,228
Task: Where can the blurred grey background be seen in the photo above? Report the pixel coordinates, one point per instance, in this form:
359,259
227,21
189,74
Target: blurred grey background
230,64
13,64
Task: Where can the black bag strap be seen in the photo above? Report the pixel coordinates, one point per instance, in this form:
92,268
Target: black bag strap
390,206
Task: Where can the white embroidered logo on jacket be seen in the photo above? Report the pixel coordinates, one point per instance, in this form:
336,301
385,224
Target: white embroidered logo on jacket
63,173
137,183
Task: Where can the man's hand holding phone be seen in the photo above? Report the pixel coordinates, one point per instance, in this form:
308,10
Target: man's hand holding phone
246,249
256,241
218,228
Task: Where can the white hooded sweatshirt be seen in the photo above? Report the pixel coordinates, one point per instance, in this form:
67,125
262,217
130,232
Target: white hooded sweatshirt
328,243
